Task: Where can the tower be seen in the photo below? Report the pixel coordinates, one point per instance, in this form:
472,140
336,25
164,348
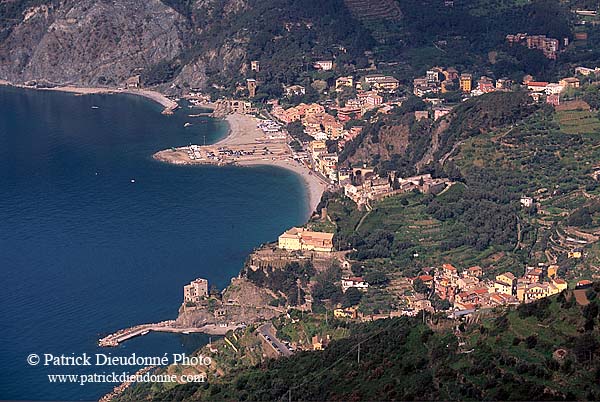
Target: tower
251,87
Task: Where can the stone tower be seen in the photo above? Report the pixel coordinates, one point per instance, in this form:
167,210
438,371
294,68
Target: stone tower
251,87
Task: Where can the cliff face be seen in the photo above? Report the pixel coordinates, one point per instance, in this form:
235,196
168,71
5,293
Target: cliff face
103,42
91,42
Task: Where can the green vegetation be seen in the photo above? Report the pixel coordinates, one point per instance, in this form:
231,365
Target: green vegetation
506,356
578,122
284,280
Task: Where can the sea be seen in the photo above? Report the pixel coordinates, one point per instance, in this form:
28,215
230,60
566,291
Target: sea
96,236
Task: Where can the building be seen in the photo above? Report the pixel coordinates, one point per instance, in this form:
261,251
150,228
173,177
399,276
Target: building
537,86
251,83
526,202
504,83
133,82
440,111
549,46
554,88
297,239
317,147
587,71
318,343
195,291
369,99
569,82
432,75
450,73
465,82
255,65
344,82
475,271
553,99
501,299
559,284
506,283
324,65
294,90
382,82
536,291
345,313
421,115
355,282
426,279
485,84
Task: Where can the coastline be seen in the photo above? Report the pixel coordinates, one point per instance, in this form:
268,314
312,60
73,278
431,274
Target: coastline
239,124
243,134
169,105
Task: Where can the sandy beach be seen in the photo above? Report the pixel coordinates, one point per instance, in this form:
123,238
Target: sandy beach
168,104
244,135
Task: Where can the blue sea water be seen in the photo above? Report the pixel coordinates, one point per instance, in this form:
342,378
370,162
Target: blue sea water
84,251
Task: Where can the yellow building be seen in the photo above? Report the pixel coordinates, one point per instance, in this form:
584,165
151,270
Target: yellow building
465,82
559,284
345,313
297,239
506,284
314,109
344,82
500,287
318,147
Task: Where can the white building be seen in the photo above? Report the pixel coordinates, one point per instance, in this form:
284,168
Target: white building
356,282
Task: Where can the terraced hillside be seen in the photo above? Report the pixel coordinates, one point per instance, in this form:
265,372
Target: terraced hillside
366,10
546,350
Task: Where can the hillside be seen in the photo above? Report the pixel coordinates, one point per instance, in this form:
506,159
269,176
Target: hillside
177,44
547,350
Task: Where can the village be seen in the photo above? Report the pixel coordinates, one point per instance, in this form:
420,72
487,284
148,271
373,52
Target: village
314,134
457,294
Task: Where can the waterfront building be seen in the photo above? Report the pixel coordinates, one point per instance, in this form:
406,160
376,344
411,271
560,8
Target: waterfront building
195,291
297,239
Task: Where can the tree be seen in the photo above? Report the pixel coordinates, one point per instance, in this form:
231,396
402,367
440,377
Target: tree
376,278
420,286
352,297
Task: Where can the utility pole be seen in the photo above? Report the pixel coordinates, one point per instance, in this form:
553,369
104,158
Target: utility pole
358,354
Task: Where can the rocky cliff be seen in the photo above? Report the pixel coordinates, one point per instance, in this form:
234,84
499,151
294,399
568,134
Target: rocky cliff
91,42
175,44
103,42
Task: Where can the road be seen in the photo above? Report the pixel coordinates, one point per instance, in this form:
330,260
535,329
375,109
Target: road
268,334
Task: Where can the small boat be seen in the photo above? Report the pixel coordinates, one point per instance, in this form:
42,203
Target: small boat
95,107
186,332
133,180
187,124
